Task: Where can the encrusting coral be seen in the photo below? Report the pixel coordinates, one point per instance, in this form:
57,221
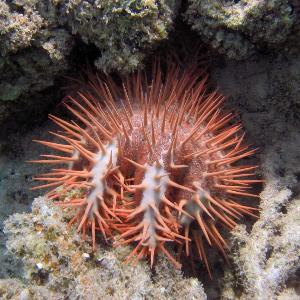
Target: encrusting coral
154,162
57,265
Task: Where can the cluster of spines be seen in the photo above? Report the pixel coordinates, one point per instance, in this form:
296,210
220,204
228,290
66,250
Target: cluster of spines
180,125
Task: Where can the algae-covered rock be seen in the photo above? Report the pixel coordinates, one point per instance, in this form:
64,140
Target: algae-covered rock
17,30
33,49
55,259
34,52
239,28
121,30
38,37
34,69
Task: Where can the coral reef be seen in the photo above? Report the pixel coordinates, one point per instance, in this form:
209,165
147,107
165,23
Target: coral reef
239,28
42,40
266,92
57,263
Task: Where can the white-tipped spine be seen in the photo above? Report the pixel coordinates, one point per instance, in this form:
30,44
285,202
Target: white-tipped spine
155,182
104,161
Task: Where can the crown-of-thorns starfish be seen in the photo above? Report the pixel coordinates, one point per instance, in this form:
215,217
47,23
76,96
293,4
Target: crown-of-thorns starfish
157,162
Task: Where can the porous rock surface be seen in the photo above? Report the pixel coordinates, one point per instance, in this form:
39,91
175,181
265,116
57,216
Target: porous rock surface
238,29
58,264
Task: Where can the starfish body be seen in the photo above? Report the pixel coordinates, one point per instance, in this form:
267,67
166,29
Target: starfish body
157,162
